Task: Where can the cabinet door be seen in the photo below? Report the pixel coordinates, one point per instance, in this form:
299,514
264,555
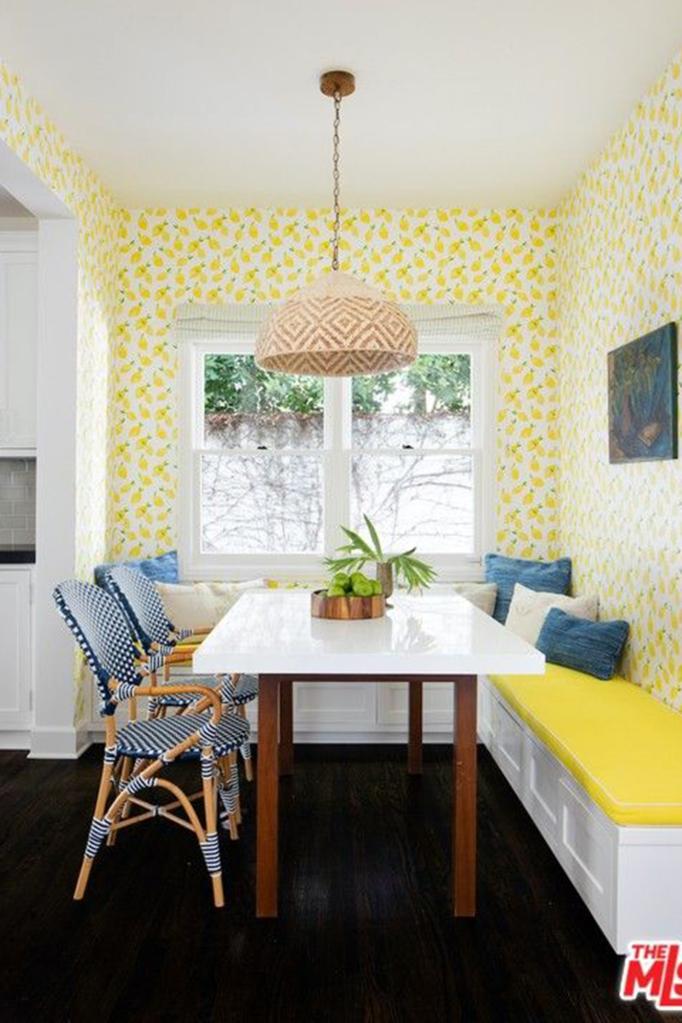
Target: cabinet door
507,746
18,349
15,628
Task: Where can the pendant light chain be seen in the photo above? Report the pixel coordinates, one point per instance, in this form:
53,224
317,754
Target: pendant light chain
336,178
338,326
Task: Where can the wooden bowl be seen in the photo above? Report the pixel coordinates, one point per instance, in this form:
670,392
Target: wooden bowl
346,608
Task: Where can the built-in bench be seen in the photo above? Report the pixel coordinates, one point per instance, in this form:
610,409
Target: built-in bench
598,766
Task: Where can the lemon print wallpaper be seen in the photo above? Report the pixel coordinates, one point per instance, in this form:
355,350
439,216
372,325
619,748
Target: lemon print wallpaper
27,131
620,276
571,284
168,257
34,138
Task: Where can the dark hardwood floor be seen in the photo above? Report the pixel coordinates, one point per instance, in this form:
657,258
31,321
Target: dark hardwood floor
365,932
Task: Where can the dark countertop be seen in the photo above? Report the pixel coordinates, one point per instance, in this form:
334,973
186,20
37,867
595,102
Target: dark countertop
17,554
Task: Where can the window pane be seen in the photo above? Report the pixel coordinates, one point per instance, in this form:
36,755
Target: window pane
255,504
416,500
246,407
425,406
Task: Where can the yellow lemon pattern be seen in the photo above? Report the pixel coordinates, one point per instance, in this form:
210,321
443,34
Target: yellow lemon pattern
26,130
603,269
168,257
620,275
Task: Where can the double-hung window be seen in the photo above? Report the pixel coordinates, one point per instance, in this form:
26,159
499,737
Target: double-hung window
273,464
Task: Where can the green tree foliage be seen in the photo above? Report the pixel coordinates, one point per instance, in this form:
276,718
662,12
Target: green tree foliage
234,383
434,383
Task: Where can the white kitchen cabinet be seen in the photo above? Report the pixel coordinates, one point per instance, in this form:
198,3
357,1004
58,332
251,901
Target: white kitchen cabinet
16,674
18,341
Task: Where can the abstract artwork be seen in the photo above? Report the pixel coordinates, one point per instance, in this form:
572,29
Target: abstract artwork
643,398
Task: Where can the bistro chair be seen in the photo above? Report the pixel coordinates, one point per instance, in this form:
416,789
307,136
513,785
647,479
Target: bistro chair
135,755
160,641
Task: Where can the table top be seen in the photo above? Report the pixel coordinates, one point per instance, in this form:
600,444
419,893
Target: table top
272,631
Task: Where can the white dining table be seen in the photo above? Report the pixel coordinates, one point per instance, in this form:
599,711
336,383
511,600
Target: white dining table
434,637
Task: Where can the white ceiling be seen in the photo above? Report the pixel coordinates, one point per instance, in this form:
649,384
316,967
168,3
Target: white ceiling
459,102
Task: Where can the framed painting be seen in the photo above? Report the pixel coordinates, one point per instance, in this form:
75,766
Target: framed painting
643,398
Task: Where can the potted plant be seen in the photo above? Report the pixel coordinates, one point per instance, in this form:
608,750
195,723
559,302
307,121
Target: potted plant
355,554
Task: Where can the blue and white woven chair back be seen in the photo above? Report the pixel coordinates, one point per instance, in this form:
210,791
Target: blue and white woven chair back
142,604
102,633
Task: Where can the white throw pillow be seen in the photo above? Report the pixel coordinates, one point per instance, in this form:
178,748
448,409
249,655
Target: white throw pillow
186,606
223,596
202,605
528,610
482,595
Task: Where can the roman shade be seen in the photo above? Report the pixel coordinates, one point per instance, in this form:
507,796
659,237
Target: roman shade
241,321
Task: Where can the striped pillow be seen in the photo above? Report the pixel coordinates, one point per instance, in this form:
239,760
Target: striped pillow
591,647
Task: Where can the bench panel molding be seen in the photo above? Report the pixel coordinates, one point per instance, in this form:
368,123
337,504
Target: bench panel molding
628,877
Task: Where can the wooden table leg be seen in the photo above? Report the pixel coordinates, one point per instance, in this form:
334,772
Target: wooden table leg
464,798
268,797
414,742
286,727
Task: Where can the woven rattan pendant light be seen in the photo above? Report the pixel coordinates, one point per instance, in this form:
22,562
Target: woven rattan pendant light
338,326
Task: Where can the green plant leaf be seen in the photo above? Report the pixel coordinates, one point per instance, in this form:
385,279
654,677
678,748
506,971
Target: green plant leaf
359,543
425,570
352,556
342,564
375,538
394,557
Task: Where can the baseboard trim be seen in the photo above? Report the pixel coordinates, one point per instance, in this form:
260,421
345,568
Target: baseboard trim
58,743
18,740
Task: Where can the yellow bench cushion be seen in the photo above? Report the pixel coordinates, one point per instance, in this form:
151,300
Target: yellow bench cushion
191,641
622,744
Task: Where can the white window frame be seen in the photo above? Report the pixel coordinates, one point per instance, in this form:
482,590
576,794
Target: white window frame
336,454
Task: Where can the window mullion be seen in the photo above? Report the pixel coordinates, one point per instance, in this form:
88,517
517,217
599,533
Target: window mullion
336,460
336,455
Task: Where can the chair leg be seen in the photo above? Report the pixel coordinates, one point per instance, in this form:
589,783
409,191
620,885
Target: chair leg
99,827
245,749
234,778
125,774
235,817
210,848
229,794
152,704
226,790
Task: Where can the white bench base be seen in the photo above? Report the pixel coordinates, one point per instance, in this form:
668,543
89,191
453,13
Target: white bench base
628,877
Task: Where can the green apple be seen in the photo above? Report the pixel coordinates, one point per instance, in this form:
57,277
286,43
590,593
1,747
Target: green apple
363,587
376,587
341,579
358,577
336,591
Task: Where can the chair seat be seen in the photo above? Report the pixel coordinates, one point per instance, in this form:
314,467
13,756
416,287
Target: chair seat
246,691
152,738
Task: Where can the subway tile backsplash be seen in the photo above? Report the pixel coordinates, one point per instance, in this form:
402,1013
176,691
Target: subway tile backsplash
17,500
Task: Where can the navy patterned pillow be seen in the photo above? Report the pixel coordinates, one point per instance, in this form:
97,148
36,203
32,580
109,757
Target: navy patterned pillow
591,647
543,576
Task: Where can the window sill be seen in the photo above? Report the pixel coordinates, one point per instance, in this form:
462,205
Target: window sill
239,570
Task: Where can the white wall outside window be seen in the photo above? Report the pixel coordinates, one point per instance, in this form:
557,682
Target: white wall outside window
336,457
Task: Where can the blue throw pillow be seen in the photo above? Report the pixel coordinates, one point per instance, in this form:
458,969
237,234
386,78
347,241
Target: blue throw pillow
591,647
163,569
543,576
